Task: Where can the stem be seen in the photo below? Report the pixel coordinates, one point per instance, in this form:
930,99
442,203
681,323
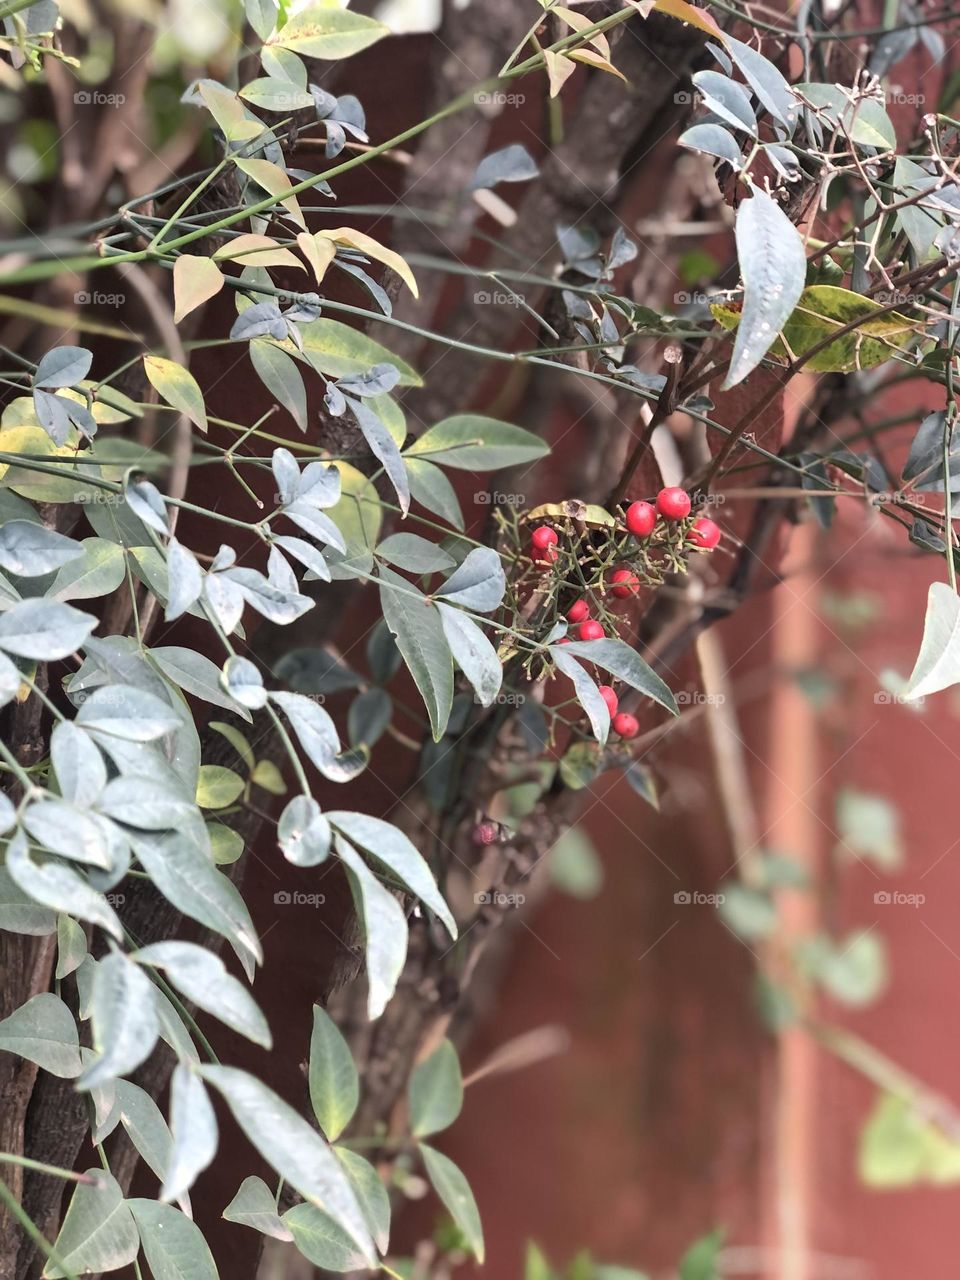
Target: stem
29,1226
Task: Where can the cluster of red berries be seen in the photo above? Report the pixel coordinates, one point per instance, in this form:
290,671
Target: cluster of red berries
672,504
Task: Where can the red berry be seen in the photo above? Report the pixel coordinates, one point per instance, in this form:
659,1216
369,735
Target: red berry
626,725
545,555
673,503
486,832
641,517
610,698
624,584
705,533
578,612
544,537
590,630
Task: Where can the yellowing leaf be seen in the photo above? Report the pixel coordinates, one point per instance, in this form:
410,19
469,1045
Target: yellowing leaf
318,251
825,308
373,249
273,180
329,33
178,387
257,251
580,22
559,70
691,14
594,60
33,440
195,280
237,123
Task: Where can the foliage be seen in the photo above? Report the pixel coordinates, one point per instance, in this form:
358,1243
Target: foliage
130,782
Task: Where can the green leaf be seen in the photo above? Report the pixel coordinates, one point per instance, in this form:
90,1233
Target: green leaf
195,281
617,657
478,583
276,95
900,1148
384,448
748,912
321,1239
43,1031
370,1191
281,377
295,1150
328,33
472,652
413,554
63,367
125,1023
218,787
122,711
55,886
44,629
186,877
938,662
254,1206
588,694
866,122
702,1259
773,265
202,977
435,1092
390,847
172,1244
145,1125
197,675
98,571
337,350
318,736
822,310
30,550
415,623
471,442
303,833
454,1190
226,845
332,1076
431,488
869,826
178,387
71,946
98,1232
384,927
194,1130
853,970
